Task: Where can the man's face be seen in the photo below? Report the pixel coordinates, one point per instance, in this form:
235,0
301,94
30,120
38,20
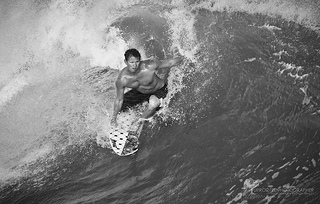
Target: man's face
133,63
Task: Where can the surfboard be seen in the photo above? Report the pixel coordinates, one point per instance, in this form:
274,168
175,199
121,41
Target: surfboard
122,142
124,138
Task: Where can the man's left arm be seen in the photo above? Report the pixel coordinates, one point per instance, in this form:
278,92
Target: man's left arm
166,63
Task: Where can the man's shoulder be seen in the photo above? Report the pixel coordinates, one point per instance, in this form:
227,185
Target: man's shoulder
122,71
144,63
150,64
122,79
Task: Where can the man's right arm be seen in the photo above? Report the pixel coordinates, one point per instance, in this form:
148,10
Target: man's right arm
117,102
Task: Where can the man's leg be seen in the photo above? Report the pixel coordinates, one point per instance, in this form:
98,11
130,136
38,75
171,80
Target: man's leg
154,103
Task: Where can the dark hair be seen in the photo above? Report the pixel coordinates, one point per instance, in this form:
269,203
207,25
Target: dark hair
132,52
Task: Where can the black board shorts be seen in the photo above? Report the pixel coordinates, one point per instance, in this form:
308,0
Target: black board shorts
134,97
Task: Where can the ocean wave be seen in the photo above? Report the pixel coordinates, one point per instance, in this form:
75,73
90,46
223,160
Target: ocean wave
249,79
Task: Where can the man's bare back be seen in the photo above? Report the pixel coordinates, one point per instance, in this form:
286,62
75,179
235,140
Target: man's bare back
141,77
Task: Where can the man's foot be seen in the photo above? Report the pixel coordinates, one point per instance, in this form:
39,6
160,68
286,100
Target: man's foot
139,121
148,113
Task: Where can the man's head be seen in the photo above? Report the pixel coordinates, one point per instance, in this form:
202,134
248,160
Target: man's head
132,59
132,53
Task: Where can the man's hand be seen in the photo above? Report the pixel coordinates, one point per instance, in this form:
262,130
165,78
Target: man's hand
113,122
175,52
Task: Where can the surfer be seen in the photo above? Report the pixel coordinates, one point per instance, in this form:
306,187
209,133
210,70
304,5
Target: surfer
142,78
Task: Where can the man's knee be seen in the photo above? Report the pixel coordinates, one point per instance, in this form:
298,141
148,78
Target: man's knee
154,102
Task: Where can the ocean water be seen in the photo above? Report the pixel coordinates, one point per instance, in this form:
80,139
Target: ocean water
240,123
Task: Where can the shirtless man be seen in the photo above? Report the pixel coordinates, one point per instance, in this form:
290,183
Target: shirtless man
146,85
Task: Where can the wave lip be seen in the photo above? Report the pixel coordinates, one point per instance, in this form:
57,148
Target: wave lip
11,89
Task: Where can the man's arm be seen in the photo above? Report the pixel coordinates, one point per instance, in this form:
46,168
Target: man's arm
118,101
170,62
167,63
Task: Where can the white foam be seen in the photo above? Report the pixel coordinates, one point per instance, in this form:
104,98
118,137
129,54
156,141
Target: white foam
183,35
270,27
11,89
305,13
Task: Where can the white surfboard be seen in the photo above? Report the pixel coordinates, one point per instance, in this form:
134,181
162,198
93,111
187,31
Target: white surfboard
123,139
122,143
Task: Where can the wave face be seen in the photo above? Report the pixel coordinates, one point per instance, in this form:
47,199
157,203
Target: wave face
240,123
